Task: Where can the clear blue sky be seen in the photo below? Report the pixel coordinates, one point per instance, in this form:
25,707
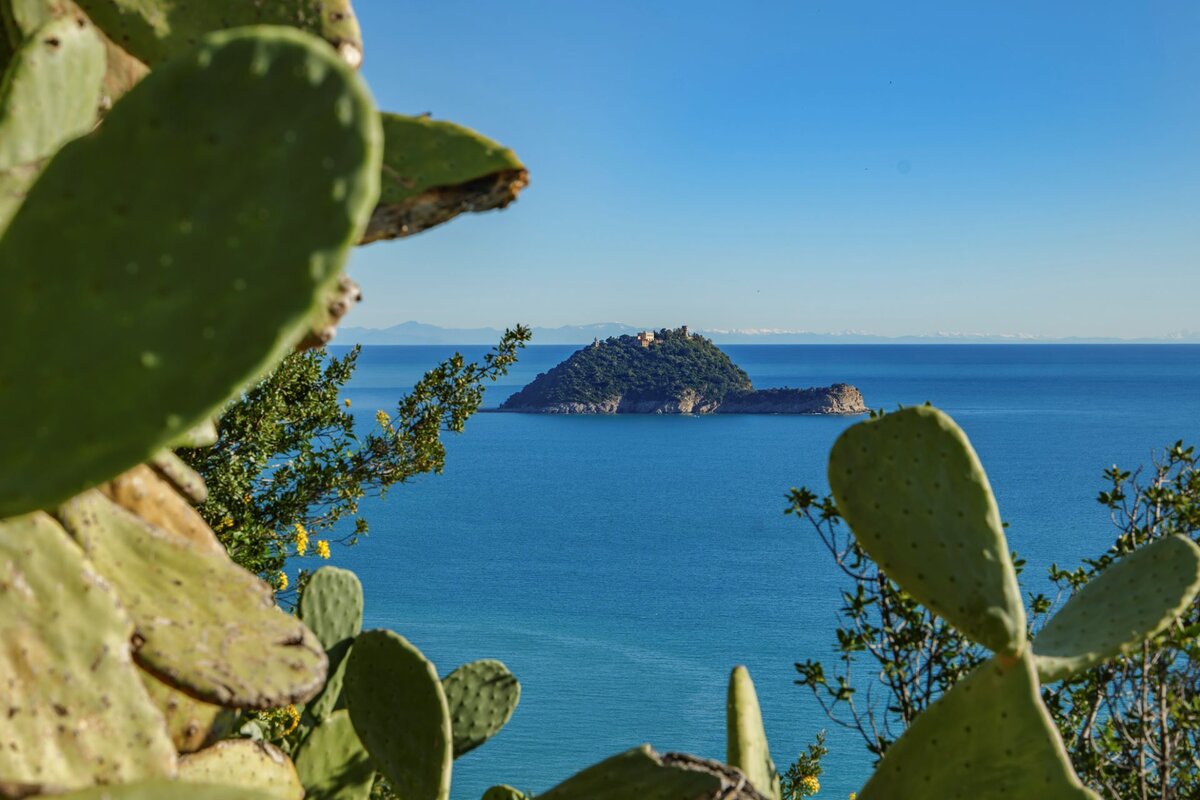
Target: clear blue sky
891,167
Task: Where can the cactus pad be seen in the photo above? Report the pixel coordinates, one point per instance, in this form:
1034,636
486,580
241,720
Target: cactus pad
74,711
1134,598
913,491
162,789
143,492
435,170
189,721
399,711
244,763
203,265
332,763
482,696
176,472
504,792
49,94
204,624
156,30
639,773
745,739
332,605
988,738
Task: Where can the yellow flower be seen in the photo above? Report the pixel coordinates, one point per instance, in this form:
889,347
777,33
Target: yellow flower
810,785
347,402
281,581
323,548
293,718
225,523
301,540
382,418
853,796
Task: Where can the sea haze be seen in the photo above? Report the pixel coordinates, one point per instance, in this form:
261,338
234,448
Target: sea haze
622,565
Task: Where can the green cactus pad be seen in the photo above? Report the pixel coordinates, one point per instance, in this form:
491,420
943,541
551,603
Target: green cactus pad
167,789
915,495
157,30
73,708
331,697
1130,601
143,492
504,792
333,764
637,773
244,763
399,711
50,94
745,739
189,721
204,624
183,478
988,738
482,696
435,170
202,266
332,605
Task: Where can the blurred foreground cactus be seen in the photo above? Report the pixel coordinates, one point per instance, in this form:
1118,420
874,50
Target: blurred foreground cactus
166,236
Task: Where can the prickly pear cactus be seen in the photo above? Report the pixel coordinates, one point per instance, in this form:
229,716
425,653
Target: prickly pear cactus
218,635
333,764
142,491
74,711
50,94
639,773
162,789
988,738
190,722
504,792
745,739
913,491
482,697
244,763
203,265
332,607
399,711
156,30
1133,599
435,170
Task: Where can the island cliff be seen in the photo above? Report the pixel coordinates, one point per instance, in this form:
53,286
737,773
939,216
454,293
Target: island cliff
667,372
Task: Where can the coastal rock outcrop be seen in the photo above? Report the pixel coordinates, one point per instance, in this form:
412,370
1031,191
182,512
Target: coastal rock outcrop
667,372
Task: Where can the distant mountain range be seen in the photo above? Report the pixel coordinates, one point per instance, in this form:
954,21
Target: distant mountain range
421,333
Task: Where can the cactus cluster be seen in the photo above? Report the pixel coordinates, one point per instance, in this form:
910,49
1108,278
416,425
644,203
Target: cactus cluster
916,497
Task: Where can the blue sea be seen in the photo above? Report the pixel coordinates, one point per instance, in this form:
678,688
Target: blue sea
620,566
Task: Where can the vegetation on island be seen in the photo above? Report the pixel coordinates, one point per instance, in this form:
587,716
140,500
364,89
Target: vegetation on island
675,362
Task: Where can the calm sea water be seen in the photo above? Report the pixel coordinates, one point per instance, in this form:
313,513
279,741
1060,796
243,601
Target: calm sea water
621,566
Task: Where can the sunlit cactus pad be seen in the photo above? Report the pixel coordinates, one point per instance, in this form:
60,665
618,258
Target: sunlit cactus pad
332,605
178,279
1132,599
163,789
204,624
49,95
482,696
244,763
435,170
155,30
399,711
745,738
913,491
72,707
988,738
332,763
145,493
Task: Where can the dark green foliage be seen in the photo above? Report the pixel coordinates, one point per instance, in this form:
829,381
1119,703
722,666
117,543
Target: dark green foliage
289,452
802,777
620,367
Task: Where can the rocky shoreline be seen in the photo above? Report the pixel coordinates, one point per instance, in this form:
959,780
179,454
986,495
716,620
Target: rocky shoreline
838,399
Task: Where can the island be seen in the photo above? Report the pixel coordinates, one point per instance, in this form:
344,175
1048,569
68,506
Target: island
670,371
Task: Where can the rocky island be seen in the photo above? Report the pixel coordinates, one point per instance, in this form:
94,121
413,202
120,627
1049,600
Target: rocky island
667,372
